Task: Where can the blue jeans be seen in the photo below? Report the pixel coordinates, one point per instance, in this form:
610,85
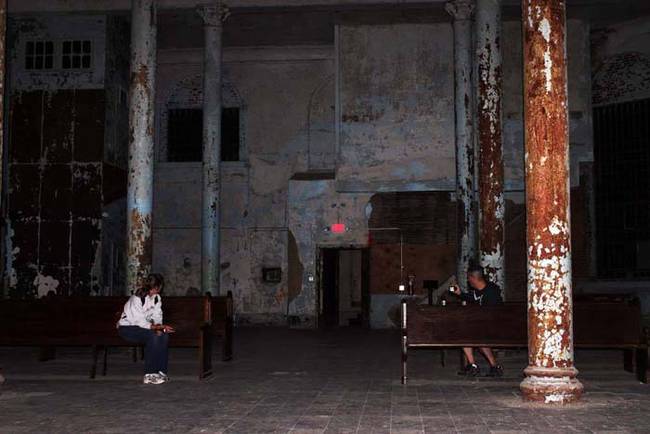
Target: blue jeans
155,347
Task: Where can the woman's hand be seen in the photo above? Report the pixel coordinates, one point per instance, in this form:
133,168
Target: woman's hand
168,329
456,289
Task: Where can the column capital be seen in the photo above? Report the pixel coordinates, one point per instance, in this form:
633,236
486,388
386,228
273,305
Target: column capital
460,9
214,15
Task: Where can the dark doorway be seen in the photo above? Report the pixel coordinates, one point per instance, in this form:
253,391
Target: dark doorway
344,288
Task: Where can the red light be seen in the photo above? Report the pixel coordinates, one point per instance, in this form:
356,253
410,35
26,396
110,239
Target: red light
338,228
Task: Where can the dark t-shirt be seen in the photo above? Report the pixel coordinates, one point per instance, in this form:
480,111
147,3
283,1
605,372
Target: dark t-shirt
488,296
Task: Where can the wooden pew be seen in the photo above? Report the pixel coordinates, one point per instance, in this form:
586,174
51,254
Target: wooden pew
91,321
599,323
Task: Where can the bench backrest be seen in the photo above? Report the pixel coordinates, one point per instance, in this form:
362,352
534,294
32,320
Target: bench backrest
221,311
92,320
596,324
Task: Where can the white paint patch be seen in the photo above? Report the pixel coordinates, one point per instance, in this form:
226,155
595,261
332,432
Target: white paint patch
545,29
548,70
558,227
493,262
45,284
555,398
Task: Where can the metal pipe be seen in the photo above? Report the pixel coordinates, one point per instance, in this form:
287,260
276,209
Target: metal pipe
461,11
213,17
551,374
141,142
489,91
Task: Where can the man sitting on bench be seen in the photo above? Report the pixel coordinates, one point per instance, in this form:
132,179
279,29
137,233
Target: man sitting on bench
484,293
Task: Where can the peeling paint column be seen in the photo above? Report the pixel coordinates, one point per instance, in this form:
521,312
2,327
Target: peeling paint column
5,235
213,17
550,375
461,11
3,39
491,199
141,141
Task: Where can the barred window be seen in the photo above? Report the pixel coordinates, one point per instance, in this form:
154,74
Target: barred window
76,55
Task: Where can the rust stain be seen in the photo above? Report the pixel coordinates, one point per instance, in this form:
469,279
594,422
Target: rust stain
550,334
140,76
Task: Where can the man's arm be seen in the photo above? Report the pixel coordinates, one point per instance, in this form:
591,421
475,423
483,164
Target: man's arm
466,296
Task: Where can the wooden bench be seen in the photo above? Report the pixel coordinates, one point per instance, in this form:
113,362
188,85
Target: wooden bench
91,321
597,324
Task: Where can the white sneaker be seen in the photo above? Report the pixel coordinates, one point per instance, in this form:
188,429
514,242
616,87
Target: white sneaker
164,376
153,379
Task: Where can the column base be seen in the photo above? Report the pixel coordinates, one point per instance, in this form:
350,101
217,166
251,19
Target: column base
551,385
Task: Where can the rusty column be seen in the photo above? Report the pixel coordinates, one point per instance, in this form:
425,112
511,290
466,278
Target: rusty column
213,17
141,144
491,200
550,375
461,11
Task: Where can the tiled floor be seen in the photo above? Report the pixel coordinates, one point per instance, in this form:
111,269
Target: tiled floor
299,381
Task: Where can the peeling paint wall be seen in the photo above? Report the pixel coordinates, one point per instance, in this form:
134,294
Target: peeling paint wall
59,182
286,114
382,121
313,207
396,107
621,62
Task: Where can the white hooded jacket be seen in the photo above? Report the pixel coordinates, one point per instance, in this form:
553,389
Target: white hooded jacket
142,313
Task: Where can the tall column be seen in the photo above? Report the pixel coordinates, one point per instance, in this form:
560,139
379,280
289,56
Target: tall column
489,81
3,38
550,375
461,11
141,144
213,17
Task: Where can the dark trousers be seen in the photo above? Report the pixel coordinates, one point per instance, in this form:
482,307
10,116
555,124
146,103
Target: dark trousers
155,347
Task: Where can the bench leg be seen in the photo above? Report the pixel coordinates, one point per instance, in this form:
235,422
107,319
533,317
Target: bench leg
105,367
642,365
205,353
227,343
404,357
443,358
46,353
628,360
93,367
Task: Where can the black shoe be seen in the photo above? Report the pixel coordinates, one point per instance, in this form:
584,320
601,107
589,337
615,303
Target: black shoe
471,370
495,371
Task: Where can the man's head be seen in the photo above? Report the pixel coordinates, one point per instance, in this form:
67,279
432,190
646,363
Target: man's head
475,277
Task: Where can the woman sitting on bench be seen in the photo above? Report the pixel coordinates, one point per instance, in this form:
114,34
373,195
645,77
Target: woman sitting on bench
142,323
